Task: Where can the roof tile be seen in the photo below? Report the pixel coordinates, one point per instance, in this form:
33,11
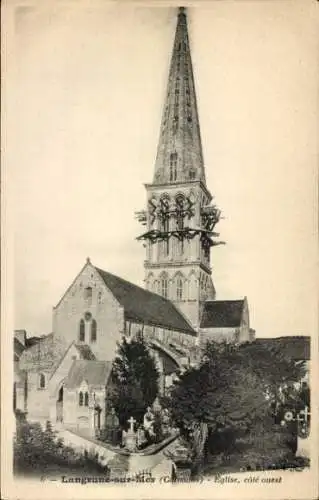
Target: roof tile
143,306
296,347
222,314
95,373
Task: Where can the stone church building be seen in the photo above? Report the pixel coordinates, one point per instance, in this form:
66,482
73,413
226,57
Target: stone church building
65,376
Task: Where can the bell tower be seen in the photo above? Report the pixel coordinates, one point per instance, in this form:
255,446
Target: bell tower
179,217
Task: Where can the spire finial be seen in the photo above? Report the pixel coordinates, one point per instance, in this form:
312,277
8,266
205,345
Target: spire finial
181,10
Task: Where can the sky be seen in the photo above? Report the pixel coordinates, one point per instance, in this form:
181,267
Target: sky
83,101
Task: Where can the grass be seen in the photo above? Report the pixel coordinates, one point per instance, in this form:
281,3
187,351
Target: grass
247,456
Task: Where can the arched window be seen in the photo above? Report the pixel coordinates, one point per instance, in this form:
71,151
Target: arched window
164,204
88,293
99,298
165,230
82,331
180,221
180,212
179,288
164,287
93,330
81,398
173,166
42,381
86,399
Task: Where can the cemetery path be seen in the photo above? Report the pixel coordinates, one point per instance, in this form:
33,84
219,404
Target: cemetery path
132,464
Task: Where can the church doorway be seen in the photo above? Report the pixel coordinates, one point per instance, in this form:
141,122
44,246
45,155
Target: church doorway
59,405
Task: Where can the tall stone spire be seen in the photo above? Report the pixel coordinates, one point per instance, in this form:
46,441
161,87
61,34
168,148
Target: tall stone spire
179,217
179,155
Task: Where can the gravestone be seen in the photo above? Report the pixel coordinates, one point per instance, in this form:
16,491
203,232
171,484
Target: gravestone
130,437
303,439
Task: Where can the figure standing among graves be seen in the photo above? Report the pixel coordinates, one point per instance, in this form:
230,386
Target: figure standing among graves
112,427
148,424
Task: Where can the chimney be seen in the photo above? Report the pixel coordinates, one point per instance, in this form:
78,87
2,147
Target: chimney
21,336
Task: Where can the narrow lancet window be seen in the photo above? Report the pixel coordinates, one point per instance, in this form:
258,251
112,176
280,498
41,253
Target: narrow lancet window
42,381
93,330
164,287
81,398
82,331
179,288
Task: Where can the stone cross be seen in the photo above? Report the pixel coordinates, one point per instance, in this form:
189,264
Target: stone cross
131,421
305,414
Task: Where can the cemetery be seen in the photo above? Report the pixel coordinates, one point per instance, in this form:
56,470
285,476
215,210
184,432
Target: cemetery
145,437
222,416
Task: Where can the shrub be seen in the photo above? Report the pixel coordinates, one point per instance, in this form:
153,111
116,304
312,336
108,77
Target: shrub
36,449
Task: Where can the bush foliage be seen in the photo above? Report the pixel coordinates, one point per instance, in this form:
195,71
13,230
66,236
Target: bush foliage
236,391
38,450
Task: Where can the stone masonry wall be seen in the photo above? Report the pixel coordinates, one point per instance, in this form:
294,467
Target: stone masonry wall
37,399
101,306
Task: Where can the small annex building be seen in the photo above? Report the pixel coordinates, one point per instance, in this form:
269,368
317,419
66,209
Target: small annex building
226,320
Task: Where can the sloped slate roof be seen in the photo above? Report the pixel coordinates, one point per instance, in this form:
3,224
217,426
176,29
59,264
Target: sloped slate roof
30,341
18,349
144,306
296,347
95,373
222,314
47,353
43,355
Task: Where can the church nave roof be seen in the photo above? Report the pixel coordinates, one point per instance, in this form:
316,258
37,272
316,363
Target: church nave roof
143,306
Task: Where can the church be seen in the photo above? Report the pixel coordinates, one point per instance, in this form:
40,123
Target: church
64,377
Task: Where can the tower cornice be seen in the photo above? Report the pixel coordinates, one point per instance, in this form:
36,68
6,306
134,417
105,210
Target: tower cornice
182,264
173,185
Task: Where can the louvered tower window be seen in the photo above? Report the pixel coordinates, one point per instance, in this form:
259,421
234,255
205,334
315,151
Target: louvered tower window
179,288
164,287
180,221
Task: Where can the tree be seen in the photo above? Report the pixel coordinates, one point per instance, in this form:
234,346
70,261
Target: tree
277,371
231,390
220,392
135,379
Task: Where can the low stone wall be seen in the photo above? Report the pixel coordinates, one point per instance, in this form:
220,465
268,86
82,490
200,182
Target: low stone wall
82,445
119,461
